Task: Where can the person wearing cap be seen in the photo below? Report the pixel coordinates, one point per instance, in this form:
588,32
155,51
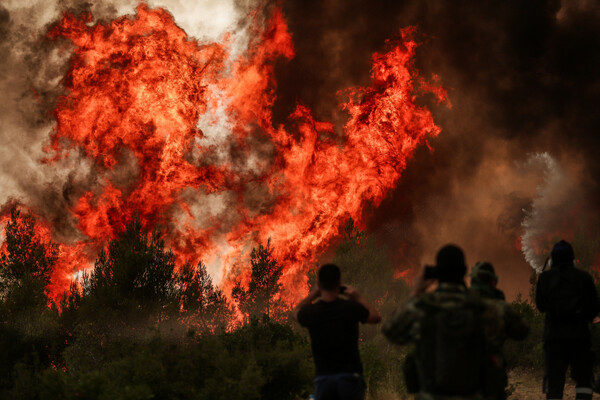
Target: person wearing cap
450,327
483,282
569,298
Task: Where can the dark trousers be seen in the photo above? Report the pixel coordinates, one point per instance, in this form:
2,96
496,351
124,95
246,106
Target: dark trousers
558,356
339,387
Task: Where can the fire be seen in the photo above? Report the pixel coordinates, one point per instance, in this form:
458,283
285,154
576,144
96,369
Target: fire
135,91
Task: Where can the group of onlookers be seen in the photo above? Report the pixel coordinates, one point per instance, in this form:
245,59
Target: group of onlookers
458,331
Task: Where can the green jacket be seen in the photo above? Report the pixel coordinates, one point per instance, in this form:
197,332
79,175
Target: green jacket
498,319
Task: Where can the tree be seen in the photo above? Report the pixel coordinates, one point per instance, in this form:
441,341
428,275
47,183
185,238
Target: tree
29,335
205,306
26,265
365,264
134,277
261,297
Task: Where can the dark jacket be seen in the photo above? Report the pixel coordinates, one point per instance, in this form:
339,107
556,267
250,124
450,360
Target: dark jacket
575,325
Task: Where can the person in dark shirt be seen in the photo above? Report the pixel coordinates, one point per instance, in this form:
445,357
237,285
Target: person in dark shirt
569,298
332,323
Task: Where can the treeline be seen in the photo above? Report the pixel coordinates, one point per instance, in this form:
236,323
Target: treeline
138,326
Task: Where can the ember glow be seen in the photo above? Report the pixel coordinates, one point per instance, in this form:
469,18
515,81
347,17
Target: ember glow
176,128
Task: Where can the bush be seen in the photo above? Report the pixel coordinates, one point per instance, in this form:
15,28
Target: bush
527,353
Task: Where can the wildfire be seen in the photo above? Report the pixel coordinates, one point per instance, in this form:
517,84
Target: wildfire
135,92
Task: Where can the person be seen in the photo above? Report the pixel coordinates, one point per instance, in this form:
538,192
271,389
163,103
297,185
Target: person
569,298
484,283
332,323
450,327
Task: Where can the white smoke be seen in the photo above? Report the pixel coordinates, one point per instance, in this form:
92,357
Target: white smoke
554,199
31,70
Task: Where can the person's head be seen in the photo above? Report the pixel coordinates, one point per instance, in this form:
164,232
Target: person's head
450,264
330,278
562,254
483,272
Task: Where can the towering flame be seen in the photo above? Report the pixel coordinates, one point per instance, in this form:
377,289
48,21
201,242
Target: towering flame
173,127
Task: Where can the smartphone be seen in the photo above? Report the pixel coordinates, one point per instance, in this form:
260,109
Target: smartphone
430,272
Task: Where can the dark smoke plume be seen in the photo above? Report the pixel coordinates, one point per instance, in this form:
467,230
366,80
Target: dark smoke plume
523,80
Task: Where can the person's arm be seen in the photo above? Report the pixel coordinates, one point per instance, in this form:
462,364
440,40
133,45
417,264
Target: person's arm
421,284
402,327
312,296
353,294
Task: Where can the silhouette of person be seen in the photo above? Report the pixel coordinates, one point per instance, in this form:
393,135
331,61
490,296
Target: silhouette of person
485,281
332,323
569,298
450,327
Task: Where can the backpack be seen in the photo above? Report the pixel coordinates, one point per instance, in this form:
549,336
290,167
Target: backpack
565,297
451,353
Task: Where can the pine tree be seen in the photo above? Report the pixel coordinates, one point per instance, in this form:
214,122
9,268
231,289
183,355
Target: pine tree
134,277
26,266
261,296
29,334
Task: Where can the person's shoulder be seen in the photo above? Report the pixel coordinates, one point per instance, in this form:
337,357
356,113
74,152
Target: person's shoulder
309,308
348,304
547,273
582,274
499,294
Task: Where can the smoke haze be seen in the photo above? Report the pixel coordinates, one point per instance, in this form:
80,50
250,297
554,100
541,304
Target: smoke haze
524,84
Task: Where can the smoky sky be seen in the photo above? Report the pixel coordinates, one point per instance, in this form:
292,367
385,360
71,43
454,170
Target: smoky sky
522,78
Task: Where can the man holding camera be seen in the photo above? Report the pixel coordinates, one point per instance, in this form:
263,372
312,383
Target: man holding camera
451,328
332,323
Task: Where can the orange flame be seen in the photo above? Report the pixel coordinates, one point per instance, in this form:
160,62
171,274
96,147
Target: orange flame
139,85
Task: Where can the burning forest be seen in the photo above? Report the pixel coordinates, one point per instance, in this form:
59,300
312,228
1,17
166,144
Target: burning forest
164,125
221,137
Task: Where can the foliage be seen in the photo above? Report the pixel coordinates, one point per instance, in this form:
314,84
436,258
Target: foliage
140,327
257,361
30,338
261,297
27,263
366,266
135,275
203,306
529,352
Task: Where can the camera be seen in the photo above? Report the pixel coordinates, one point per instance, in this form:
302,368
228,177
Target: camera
430,272
343,289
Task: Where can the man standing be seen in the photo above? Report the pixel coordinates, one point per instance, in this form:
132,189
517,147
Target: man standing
568,297
332,323
484,282
450,328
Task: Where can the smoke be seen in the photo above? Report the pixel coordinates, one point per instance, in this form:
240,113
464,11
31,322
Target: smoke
556,211
31,70
522,78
